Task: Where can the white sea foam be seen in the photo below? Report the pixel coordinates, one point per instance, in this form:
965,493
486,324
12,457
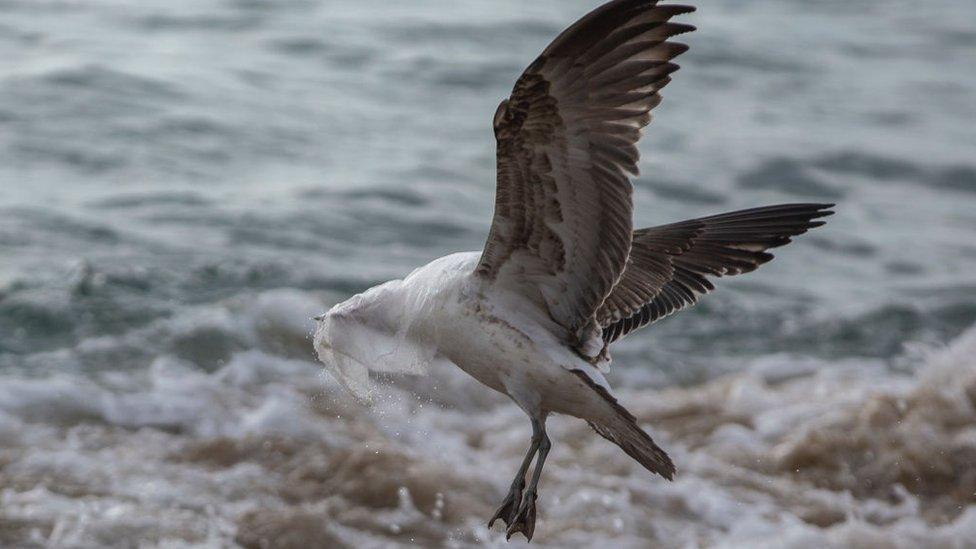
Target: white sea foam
165,243
785,453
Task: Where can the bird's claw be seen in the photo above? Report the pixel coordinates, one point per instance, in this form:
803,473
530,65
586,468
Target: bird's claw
524,519
509,507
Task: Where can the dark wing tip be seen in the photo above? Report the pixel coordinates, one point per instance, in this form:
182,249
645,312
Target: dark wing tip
678,9
821,210
606,19
668,474
678,48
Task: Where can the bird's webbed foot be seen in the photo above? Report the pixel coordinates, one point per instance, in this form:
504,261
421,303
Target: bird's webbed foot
524,519
518,509
510,505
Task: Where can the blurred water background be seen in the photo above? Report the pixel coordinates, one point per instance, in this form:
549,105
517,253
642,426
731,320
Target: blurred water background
183,184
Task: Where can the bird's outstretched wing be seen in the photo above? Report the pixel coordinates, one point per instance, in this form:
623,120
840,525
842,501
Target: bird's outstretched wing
566,142
669,265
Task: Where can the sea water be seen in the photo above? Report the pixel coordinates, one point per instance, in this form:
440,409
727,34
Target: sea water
185,184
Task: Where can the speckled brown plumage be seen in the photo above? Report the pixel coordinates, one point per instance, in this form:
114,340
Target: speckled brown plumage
669,265
566,145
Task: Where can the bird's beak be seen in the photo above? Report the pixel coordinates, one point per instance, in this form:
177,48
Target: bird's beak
319,318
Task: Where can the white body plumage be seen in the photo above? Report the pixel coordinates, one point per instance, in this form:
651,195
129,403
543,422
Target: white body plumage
444,310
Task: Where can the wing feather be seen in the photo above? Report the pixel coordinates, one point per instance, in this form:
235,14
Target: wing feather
566,146
668,265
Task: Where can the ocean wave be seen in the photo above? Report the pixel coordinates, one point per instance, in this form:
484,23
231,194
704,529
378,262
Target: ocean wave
958,177
685,192
301,45
163,254
814,452
127,201
817,177
487,33
97,78
789,176
209,22
206,310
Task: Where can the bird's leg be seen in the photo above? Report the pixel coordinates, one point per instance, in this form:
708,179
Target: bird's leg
514,498
524,519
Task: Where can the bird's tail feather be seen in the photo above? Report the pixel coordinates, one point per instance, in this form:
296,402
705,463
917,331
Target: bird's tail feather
625,433
620,427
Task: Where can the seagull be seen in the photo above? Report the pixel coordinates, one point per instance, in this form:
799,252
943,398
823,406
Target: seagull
563,274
